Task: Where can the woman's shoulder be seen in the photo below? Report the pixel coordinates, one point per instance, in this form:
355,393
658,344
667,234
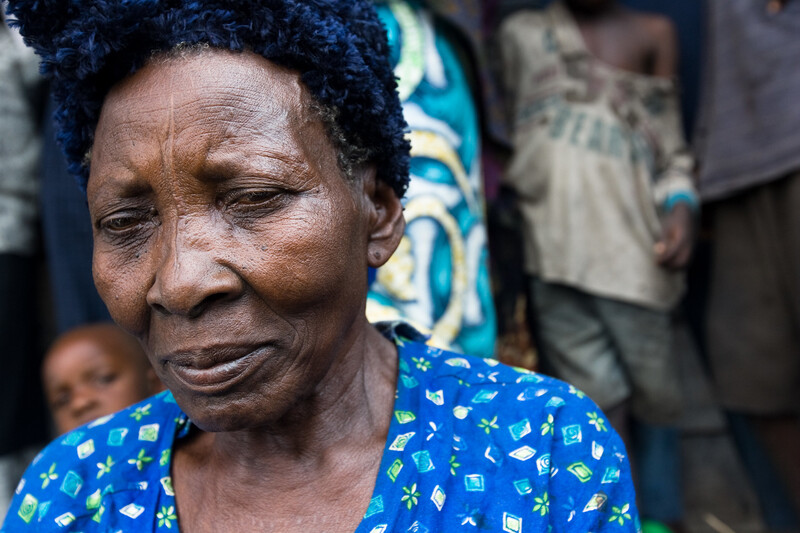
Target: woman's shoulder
481,393
126,451
483,378
470,427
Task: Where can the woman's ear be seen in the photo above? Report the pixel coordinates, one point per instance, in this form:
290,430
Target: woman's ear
386,222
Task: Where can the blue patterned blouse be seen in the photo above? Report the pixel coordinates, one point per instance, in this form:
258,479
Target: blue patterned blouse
473,446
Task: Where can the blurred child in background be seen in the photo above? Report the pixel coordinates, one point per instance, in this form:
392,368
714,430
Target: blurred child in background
93,371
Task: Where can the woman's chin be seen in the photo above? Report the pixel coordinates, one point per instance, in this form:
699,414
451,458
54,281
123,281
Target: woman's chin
231,412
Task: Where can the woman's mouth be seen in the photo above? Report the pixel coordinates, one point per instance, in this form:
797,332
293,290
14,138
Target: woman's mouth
211,370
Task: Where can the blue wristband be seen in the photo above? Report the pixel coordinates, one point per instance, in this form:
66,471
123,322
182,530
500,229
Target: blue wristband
681,196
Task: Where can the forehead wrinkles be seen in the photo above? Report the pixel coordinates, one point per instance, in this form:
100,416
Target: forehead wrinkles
183,110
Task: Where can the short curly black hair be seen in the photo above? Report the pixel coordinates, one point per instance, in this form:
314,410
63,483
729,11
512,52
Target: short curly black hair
339,47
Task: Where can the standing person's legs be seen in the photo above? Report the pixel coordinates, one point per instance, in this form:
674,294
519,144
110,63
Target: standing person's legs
644,340
620,355
574,344
754,317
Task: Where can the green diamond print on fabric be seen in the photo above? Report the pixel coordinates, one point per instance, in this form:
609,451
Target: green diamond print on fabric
404,369
511,523
596,503
48,476
65,519
437,397
43,508
520,429
404,417
166,483
473,483
132,510
597,451
375,506
102,420
529,378
457,362
382,528
28,508
409,382
93,501
611,475
572,434
555,401
581,471
523,486
400,442
438,497
523,454
543,464
395,469
72,484
116,437
423,461
461,412
164,460
72,439
99,514
484,396
149,433
86,449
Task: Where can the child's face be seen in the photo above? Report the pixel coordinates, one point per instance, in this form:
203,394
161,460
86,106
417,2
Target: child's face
83,381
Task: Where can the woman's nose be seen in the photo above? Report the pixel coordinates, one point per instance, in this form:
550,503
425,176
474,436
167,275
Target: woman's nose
190,277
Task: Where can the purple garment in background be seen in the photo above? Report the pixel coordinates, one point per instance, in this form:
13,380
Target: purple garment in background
749,130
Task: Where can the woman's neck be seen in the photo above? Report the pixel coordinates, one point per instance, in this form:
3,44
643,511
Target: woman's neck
350,406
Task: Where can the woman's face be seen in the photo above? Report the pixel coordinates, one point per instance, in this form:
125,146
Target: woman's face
225,236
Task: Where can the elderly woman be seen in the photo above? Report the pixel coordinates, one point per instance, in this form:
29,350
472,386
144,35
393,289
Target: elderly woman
243,163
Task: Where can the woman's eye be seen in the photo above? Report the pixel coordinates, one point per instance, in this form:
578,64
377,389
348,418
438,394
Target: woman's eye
254,202
125,221
255,197
120,223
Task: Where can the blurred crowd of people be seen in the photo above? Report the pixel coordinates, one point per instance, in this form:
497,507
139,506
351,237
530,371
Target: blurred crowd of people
553,208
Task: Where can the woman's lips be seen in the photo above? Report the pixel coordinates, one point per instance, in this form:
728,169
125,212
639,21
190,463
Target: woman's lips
211,369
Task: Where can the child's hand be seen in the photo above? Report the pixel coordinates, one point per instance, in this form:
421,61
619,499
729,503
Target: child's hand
675,247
